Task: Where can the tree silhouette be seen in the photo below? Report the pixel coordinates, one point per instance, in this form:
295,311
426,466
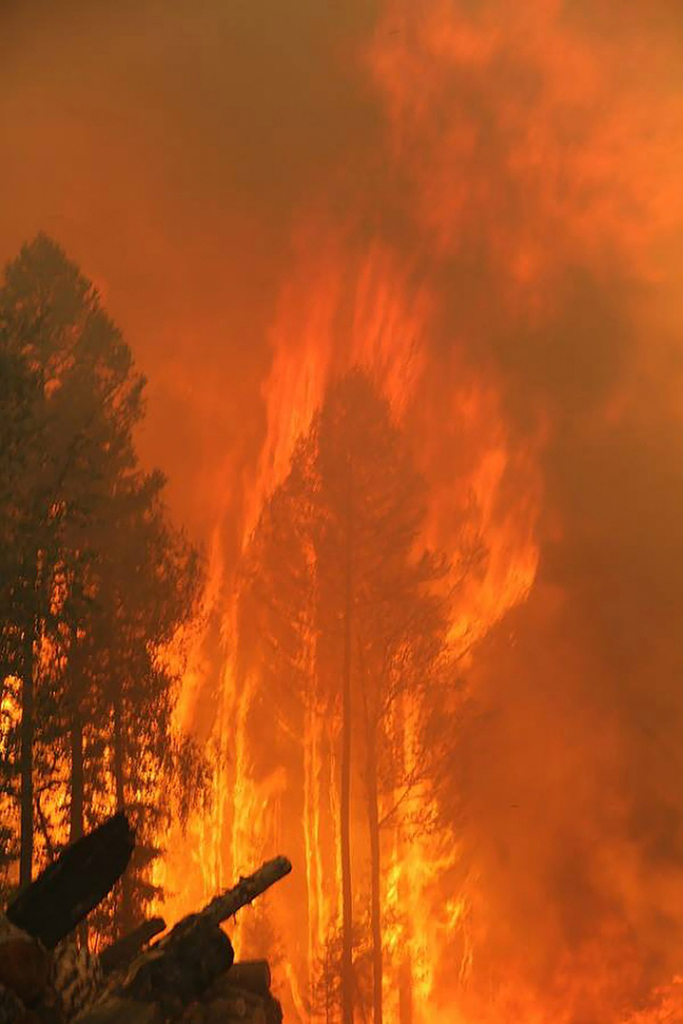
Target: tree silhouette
342,608
95,580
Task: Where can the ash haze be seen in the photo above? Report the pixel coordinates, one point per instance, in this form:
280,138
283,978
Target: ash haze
493,197
169,148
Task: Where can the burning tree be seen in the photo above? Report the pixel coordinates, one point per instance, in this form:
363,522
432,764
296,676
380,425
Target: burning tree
342,609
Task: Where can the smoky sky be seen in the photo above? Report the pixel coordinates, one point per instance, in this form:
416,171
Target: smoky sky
169,147
172,148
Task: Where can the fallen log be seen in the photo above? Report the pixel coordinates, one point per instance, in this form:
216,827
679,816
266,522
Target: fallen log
121,953
12,1010
224,990
75,979
123,1011
226,1002
53,905
24,963
227,904
219,1013
179,969
196,929
252,975
168,976
229,1006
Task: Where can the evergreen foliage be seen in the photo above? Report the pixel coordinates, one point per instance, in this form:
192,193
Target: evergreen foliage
95,581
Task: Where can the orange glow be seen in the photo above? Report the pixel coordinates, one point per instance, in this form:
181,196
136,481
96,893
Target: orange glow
526,151
481,206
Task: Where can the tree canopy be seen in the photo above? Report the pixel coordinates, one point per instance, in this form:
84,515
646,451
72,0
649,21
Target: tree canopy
95,582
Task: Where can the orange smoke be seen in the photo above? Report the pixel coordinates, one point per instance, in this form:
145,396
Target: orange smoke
487,218
528,178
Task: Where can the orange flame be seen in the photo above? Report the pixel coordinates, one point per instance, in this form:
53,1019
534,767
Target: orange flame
525,150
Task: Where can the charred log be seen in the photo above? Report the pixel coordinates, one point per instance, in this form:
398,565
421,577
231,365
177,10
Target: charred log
186,976
250,975
123,1011
247,889
12,1010
227,1002
53,905
121,954
24,963
183,973
179,970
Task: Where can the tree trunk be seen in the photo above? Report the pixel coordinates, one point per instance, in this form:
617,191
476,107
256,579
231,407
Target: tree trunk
347,984
26,761
120,954
375,877
84,873
76,816
126,922
405,971
405,991
77,796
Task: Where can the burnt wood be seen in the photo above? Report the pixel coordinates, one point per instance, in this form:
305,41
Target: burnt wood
227,903
123,1011
12,1010
49,908
252,975
24,963
122,952
180,969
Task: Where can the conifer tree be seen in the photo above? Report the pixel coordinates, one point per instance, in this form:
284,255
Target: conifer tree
336,562
99,580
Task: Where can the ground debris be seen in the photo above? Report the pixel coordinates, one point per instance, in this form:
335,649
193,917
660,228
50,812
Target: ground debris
185,977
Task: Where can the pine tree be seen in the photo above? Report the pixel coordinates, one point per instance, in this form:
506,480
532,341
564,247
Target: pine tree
344,610
19,442
88,400
380,588
100,581
149,584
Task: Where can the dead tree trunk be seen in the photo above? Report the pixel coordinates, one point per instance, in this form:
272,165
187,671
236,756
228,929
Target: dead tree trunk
77,790
405,972
26,761
127,916
405,992
52,906
76,810
347,980
375,874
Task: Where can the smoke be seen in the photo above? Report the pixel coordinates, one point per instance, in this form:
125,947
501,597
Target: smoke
540,147
517,167
169,147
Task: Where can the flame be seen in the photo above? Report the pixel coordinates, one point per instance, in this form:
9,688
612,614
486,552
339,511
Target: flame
389,326
525,150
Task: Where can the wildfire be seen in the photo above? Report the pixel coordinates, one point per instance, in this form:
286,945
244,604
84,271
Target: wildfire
526,151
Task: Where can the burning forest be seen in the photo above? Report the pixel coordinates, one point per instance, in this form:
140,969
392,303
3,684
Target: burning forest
340,506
